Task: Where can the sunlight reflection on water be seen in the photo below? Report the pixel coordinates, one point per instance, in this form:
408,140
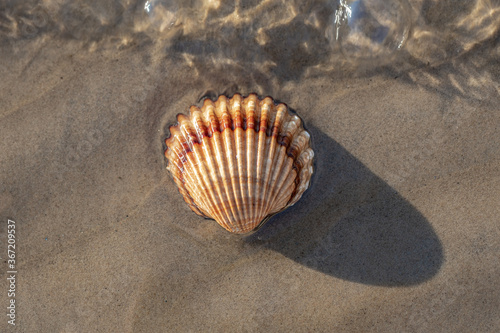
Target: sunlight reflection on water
162,13
370,30
280,40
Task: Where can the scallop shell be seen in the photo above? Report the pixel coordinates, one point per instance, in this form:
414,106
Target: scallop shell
240,160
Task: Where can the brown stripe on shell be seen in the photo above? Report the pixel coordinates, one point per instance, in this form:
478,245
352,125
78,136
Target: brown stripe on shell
235,111
223,114
213,122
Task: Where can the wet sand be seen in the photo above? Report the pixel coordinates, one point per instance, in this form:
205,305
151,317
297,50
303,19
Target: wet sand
399,232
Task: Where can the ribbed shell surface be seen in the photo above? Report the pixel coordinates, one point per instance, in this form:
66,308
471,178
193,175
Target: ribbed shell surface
239,160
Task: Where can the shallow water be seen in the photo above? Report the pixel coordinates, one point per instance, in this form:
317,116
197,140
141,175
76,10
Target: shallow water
275,40
398,232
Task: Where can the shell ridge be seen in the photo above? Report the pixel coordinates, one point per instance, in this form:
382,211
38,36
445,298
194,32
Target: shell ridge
242,172
233,177
183,140
305,173
234,137
237,106
200,171
183,159
199,125
282,184
193,191
275,160
278,166
261,160
250,141
178,149
297,150
185,145
289,130
284,195
222,175
269,159
231,145
225,154
196,188
213,186
185,194
293,143
188,131
215,175
198,153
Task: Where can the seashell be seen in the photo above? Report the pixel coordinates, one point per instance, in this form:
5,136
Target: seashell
240,160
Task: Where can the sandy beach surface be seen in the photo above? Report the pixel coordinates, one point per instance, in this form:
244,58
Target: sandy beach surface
399,231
